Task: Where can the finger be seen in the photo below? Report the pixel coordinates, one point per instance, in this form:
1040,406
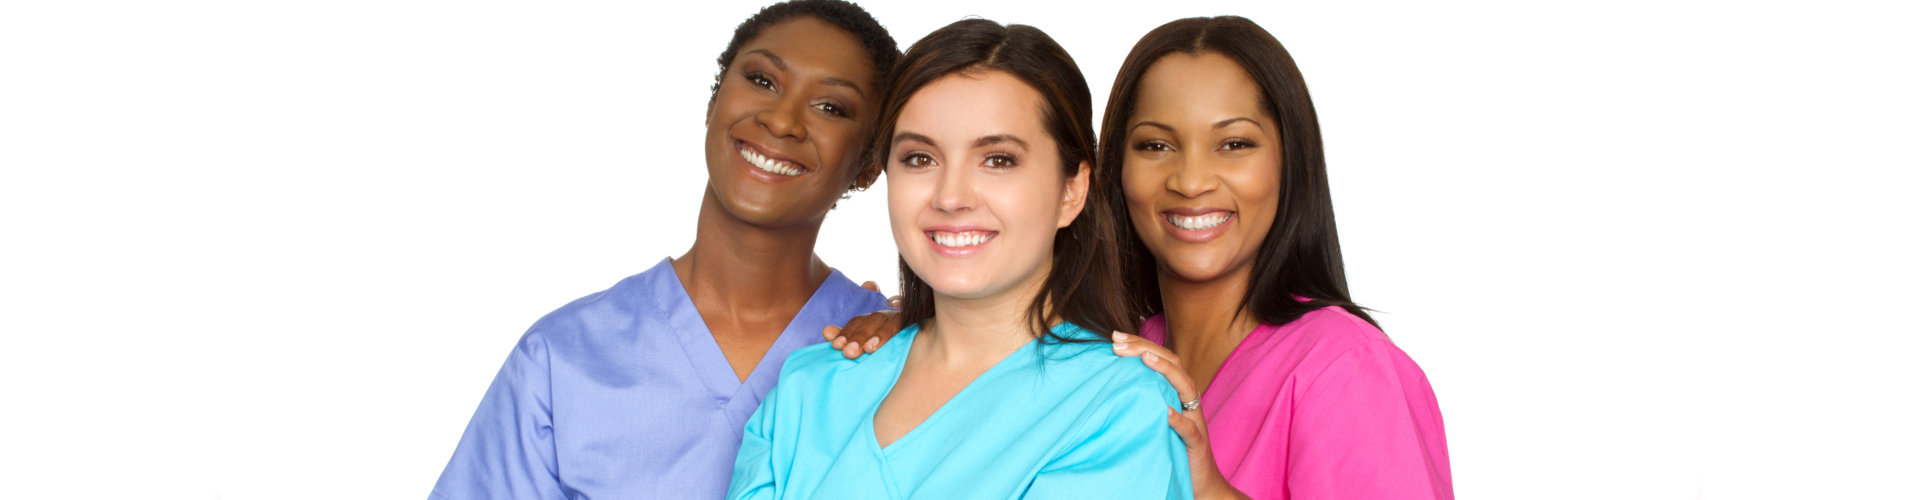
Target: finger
1135,347
870,286
1189,432
851,350
830,332
1177,377
893,301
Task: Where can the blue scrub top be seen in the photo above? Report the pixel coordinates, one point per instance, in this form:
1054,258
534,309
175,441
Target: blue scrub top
1049,421
624,394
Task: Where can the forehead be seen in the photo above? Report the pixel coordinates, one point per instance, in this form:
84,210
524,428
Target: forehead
968,105
1203,87
807,44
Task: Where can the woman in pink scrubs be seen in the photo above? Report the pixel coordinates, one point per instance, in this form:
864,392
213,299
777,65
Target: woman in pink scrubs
1290,390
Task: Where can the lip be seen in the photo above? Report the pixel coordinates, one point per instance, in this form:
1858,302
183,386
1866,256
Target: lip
1197,235
955,252
771,154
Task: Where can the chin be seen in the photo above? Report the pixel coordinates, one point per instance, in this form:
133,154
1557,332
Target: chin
956,282
1196,268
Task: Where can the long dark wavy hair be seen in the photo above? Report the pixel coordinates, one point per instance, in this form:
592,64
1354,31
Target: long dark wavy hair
1084,286
1300,256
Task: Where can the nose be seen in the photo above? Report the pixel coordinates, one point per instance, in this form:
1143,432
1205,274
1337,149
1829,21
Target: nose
1194,176
784,118
953,191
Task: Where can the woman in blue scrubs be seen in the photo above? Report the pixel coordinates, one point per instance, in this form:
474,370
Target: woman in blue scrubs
1000,388
641,390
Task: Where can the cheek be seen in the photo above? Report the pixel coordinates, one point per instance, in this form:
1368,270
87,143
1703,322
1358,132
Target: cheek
838,145
1138,185
1258,189
904,197
1031,203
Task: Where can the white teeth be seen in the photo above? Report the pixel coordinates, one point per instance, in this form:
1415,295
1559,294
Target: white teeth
1196,223
770,165
966,239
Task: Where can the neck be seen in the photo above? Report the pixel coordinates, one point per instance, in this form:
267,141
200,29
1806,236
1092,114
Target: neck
984,329
737,266
1206,316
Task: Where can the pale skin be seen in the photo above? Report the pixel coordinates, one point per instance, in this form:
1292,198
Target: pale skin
970,158
797,92
1199,144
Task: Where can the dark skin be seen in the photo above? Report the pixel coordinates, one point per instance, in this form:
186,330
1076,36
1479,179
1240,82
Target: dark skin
798,97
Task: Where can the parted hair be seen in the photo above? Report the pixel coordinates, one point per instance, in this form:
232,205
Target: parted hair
1300,257
1083,286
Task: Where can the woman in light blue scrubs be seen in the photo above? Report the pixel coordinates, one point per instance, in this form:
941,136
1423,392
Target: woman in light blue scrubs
641,390
1001,387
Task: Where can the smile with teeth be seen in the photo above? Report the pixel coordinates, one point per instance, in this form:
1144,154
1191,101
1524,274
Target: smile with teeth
1199,222
769,164
962,238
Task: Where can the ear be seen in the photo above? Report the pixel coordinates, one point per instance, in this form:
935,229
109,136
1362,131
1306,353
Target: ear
1074,199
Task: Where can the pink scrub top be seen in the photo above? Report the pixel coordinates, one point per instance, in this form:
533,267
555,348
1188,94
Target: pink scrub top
1323,407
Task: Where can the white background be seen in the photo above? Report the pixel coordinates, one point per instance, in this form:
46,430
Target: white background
278,249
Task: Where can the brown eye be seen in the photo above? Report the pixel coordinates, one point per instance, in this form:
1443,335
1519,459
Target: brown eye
1000,162
1238,144
760,79
833,109
916,160
1154,146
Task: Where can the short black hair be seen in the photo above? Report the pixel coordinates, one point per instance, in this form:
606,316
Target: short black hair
873,37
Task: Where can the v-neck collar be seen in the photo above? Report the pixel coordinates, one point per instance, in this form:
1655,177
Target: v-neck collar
704,354
904,340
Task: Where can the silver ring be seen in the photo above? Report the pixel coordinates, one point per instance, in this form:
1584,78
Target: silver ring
1190,405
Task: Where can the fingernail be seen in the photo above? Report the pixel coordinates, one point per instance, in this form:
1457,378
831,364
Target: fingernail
1119,337
1119,346
873,343
839,342
1150,358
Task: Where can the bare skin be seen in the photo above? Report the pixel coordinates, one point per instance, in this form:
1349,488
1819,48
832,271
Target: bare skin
796,98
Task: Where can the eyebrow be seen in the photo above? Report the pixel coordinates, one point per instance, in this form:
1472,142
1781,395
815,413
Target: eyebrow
1145,123
978,143
910,136
1229,121
999,139
777,61
781,64
1219,124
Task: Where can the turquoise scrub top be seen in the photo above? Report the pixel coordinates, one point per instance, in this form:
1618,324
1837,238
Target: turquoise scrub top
1055,420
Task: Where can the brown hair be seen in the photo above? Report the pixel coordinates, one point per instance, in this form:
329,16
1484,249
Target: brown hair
1300,256
1083,287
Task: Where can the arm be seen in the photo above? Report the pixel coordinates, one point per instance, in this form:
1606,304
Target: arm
508,450
1125,451
1368,427
1191,425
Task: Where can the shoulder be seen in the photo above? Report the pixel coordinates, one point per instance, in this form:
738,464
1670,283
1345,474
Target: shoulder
618,310
1328,331
1339,345
1121,380
847,299
818,363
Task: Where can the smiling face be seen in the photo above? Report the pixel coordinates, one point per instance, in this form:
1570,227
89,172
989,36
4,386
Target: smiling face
975,190
1201,171
786,124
